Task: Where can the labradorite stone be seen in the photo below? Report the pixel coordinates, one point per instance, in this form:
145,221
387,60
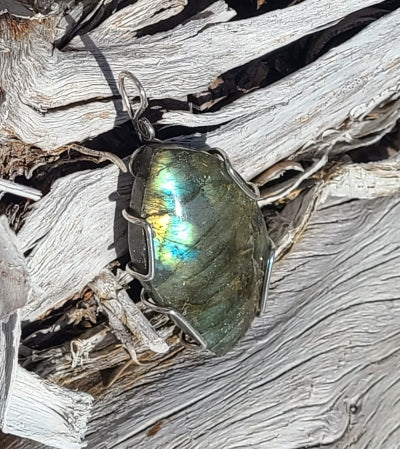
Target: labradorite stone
210,241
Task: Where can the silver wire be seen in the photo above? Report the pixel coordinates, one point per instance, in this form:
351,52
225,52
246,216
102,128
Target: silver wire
142,125
267,278
251,190
177,317
149,243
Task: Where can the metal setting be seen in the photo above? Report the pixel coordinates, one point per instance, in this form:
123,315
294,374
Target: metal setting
142,125
178,318
267,277
146,133
255,195
133,157
150,246
251,190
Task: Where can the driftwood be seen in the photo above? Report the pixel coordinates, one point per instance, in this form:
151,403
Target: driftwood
335,389
60,81
29,406
14,287
319,368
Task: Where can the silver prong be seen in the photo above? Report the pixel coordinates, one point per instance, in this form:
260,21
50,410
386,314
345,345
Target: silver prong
102,155
133,157
177,317
249,189
150,246
267,277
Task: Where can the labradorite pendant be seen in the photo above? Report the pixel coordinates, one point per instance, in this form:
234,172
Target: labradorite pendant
203,250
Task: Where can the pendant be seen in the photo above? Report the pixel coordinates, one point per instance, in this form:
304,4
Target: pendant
197,238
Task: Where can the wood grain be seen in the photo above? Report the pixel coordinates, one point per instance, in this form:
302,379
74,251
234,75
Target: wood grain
14,279
79,88
10,330
319,368
46,412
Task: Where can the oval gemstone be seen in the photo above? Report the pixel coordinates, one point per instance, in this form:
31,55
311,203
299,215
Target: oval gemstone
211,248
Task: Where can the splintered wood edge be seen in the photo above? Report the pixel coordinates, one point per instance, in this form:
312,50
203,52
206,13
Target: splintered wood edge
10,331
44,412
29,406
61,92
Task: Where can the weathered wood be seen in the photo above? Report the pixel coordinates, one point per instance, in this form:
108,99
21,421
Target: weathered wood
118,306
14,280
327,104
47,413
10,330
69,266
314,370
65,87
318,369
96,351
29,406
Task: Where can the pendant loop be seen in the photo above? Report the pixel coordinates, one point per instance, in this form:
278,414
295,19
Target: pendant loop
142,125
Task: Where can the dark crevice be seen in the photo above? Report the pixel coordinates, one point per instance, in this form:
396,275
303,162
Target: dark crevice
277,65
252,8
235,83
74,104
193,8
381,150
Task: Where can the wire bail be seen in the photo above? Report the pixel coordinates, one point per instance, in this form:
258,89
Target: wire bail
142,125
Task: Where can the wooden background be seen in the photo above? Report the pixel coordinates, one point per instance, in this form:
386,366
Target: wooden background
304,98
